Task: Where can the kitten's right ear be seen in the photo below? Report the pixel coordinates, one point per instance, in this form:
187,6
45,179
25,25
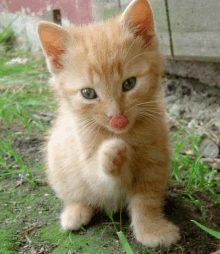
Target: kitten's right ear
54,41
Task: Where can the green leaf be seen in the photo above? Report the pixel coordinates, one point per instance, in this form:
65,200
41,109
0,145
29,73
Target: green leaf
208,230
125,243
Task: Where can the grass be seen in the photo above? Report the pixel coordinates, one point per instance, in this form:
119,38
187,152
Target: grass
208,230
23,92
188,169
7,37
28,202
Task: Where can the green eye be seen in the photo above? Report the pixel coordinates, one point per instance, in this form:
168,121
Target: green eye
89,93
128,84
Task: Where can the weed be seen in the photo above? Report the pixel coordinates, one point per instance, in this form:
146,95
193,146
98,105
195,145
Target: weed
7,37
208,230
120,234
188,169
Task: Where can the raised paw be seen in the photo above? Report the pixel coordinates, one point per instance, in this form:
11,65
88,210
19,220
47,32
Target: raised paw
75,215
113,156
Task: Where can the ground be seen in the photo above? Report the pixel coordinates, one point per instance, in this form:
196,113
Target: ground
29,218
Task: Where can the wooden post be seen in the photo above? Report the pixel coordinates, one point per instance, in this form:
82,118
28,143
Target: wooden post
53,16
119,4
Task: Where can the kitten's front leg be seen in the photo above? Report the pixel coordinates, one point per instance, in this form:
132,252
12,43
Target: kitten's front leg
149,226
114,158
76,215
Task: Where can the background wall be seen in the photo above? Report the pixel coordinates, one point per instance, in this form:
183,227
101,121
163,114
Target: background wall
188,30
75,11
194,25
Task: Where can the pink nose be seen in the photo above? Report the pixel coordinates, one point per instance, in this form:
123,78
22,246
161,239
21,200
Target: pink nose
118,121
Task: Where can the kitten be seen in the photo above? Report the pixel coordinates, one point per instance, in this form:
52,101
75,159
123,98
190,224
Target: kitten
109,142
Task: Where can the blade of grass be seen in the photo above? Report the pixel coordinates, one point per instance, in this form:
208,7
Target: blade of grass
208,230
124,243
120,234
111,217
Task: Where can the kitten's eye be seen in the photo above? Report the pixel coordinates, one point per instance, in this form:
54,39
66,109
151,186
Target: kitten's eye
89,93
128,84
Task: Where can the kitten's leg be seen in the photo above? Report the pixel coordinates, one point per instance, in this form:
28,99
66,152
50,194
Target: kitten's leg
113,161
114,158
149,226
75,215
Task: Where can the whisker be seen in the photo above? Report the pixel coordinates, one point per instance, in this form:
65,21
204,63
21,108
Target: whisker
143,104
134,42
147,116
145,53
84,125
147,102
84,130
153,115
81,124
153,111
96,135
130,47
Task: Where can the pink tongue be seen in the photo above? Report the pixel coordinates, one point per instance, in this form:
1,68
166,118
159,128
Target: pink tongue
118,121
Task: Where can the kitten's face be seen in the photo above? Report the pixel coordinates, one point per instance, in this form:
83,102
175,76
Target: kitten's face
108,71
108,74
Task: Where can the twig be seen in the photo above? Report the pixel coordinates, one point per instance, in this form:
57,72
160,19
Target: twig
29,229
106,223
18,184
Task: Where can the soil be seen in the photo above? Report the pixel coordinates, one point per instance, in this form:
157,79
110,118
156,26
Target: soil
198,106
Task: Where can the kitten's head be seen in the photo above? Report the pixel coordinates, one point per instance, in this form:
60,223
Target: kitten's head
109,71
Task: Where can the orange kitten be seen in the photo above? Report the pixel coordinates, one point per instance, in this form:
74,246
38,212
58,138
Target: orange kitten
109,141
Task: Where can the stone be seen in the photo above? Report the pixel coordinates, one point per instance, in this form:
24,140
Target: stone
208,148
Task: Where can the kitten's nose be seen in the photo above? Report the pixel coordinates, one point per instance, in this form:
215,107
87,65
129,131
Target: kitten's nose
118,121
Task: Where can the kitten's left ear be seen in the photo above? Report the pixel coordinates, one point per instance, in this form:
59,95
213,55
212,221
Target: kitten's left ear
138,17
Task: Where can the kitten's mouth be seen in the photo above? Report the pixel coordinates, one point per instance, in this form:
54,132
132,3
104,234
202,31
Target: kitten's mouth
118,122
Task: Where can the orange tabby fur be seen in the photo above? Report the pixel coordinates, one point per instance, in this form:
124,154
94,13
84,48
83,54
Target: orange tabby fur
91,164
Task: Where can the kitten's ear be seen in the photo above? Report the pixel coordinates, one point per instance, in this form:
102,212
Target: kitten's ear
138,17
54,40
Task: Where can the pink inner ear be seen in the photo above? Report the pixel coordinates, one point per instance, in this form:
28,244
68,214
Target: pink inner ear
142,19
55,52
118,121
53,39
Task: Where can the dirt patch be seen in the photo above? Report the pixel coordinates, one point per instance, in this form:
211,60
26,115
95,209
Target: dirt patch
181,213
196,103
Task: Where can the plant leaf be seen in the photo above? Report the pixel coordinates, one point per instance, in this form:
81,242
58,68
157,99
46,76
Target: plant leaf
208,230
124,243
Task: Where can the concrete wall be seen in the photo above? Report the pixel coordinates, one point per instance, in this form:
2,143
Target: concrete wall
195,26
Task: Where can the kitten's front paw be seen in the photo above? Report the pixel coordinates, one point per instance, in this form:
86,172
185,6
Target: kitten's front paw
75,215
163,236
113,156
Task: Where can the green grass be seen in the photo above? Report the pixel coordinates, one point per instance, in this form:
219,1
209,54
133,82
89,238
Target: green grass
21,92
208,230
7,37
187,168
24,91
26,198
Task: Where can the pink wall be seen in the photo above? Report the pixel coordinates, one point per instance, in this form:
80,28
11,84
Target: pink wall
77,11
